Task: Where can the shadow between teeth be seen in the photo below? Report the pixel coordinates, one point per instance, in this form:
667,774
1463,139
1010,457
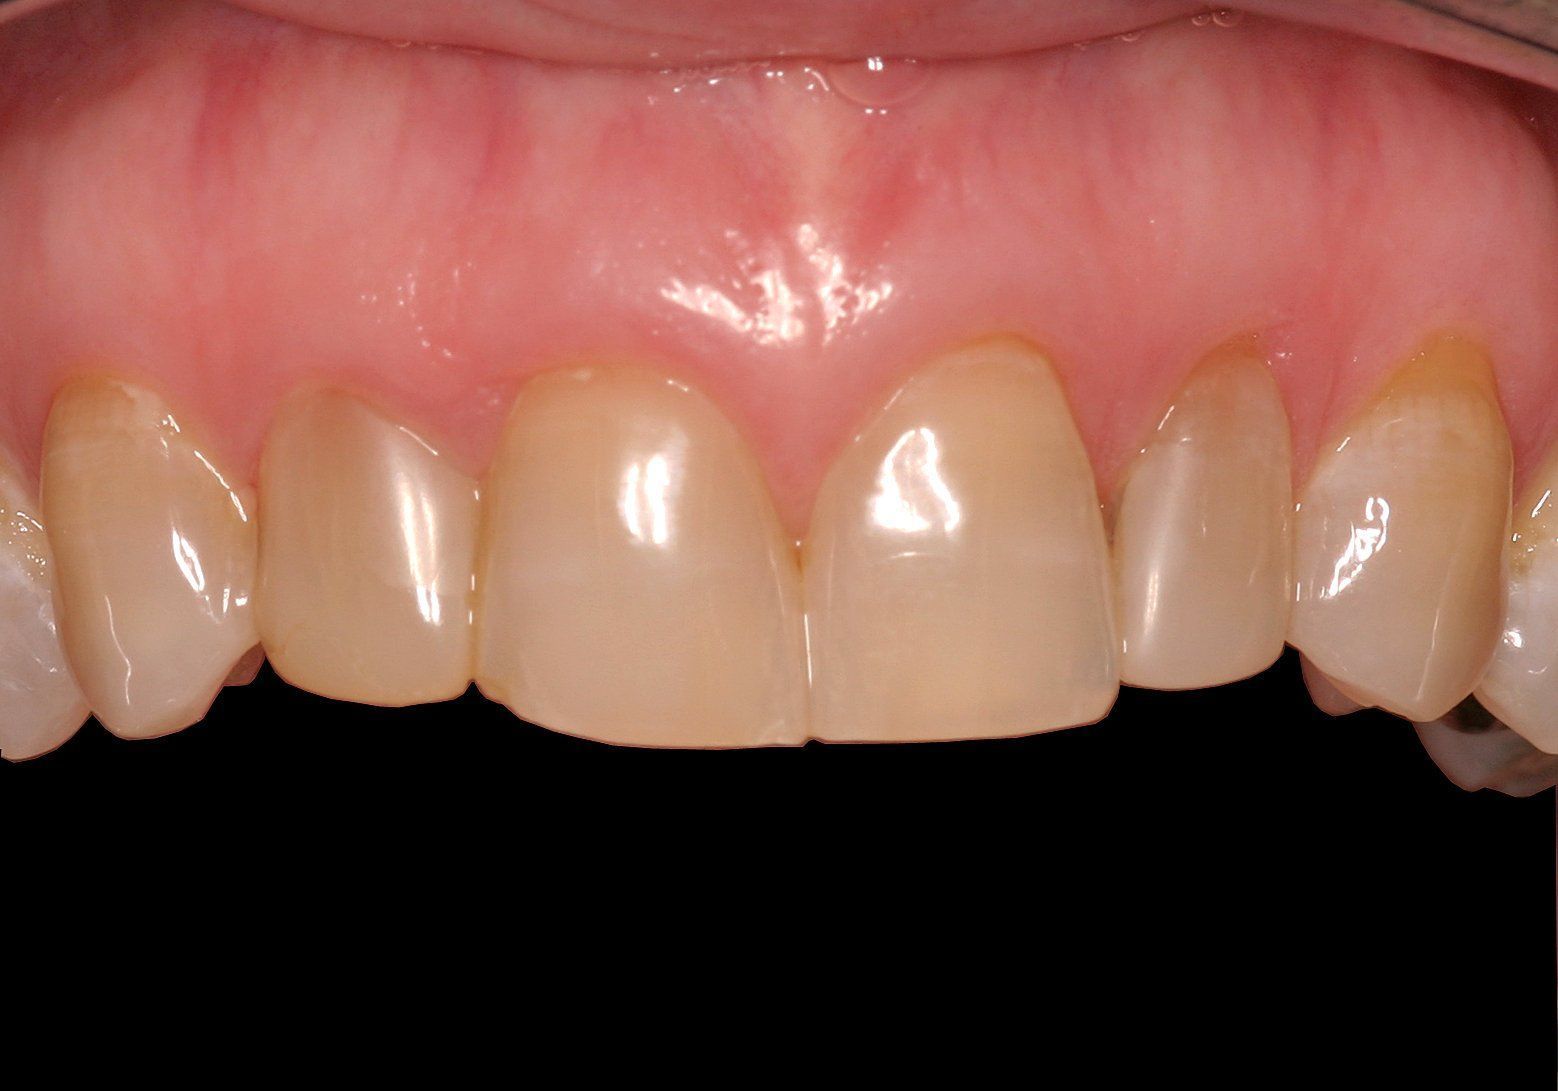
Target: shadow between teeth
621,574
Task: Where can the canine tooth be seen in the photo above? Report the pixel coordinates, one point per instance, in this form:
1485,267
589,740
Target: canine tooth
40,705
956,573
1399,537
1521,686
367,554
1475,751
155,557
1201,542
634,583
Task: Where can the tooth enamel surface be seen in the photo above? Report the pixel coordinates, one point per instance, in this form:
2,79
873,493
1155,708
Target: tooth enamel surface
155,555
1521,686
367,554
40,705
1323,692
1399,537
1201,540
634,583
956,573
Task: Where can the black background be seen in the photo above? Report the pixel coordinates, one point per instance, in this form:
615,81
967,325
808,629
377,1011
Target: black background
1229,852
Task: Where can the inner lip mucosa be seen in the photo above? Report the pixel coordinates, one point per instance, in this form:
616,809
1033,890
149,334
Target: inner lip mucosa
227,208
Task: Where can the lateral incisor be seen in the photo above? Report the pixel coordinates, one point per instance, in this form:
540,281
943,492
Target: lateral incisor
367,555
634,584
957,576
155,554
1201,535
1399,538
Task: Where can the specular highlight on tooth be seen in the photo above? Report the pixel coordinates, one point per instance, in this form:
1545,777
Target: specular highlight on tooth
1201,538
155,553
956,572
1521,685
40,704
367,554
634,583
1399,535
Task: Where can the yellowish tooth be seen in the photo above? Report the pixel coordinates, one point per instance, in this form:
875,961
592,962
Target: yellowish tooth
367,555
1521,685
40,704
1201,541
155,557
634,583
1399,537
957,576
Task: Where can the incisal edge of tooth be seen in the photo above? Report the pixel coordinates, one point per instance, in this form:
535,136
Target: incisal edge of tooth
1201,538
40,705
367,555
1399,537
1521,685
956,573
634,584
155,555
1476,751
1324,692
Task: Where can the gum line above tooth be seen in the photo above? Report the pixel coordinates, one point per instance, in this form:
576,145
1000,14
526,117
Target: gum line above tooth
1399,537
1201,533
368,542
956,573
622,574
156,554
40,704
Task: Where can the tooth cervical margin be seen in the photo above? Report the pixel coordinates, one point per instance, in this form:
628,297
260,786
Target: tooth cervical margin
634,583
40,705
1201,540
1399,537
956,573
1521,686
154,555
367,554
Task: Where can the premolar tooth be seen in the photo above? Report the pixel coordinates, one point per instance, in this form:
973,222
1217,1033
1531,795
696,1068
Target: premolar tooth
957,576
1521,686
634,582
1399,537
367,553
155,550
1201,542
40,704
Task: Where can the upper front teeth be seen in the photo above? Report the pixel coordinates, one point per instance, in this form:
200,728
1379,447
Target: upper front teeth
622,574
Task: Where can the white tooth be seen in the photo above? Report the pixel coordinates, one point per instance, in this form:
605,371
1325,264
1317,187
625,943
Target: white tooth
40,705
